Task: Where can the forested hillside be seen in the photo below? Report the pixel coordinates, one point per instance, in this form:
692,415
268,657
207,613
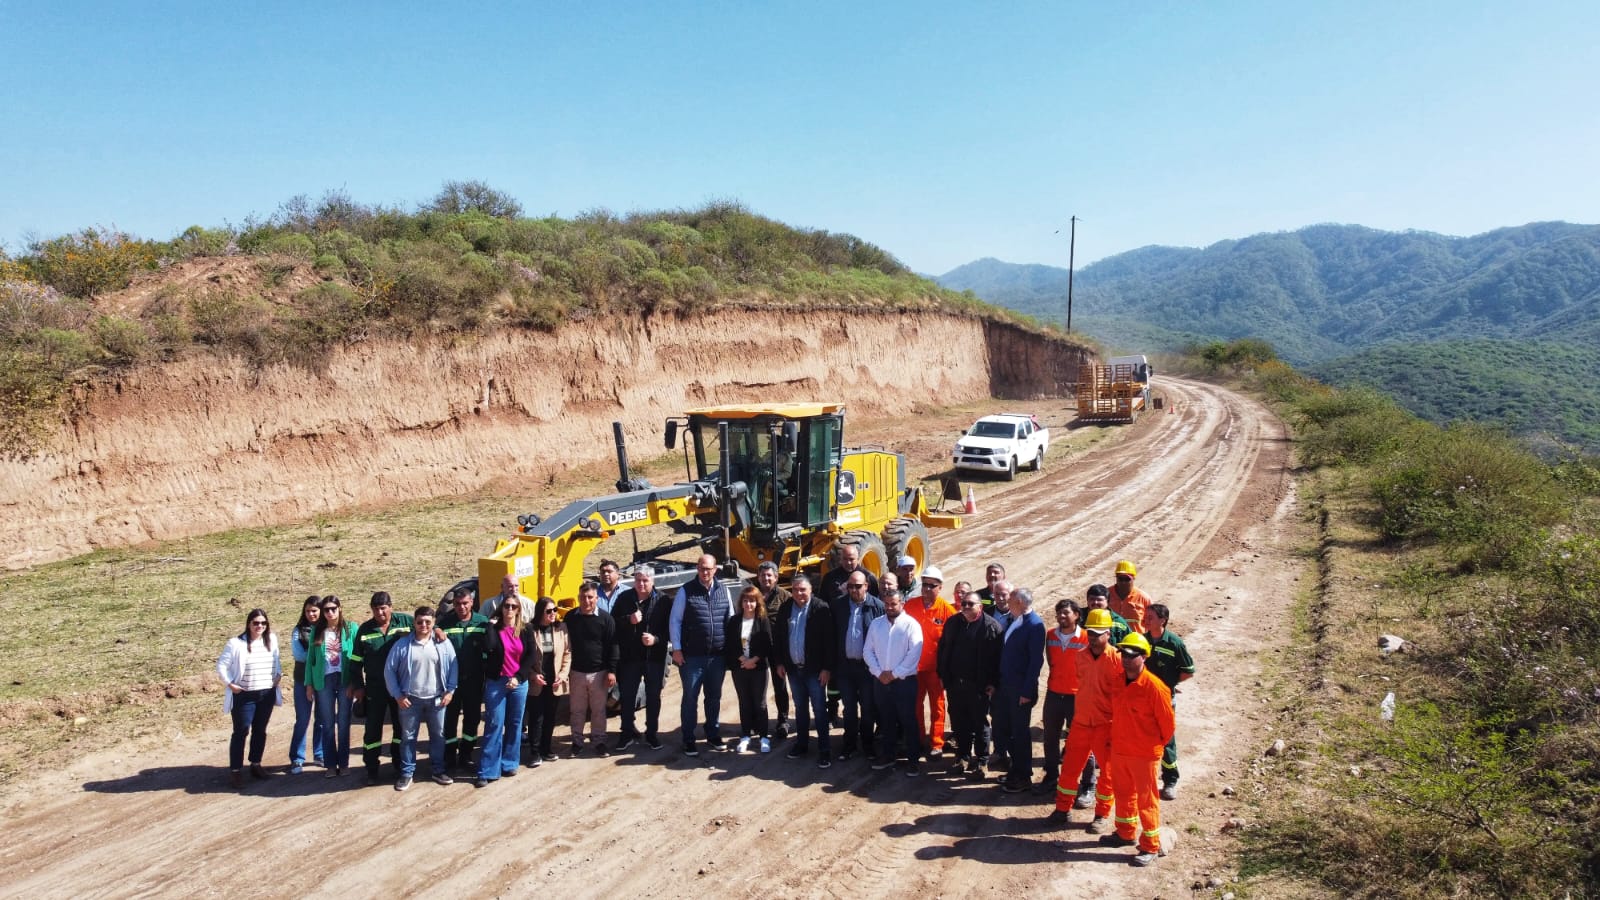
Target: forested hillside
1500,328
1545,391
1323,291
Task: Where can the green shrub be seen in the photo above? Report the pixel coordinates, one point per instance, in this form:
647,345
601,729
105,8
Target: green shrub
329,265
90,262
123,341
198,241
1466,484
291,244
1355,426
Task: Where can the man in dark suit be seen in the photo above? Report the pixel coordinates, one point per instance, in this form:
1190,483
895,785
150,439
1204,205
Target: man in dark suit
806,644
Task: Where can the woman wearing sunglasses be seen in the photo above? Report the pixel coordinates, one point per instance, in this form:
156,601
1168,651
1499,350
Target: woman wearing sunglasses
549,684
332,639
250,669
510,661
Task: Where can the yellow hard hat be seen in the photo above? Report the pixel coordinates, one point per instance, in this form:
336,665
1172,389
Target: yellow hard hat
1135,642
1099,620
1125,567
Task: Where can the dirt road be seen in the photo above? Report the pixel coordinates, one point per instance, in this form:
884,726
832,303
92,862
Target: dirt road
1198,496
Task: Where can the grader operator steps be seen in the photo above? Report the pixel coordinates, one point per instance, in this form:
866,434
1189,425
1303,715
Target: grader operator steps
1114,392
770,483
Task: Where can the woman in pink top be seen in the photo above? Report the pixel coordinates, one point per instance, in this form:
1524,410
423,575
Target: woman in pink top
511,658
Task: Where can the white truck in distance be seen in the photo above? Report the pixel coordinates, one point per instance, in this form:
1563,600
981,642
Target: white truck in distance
1001,443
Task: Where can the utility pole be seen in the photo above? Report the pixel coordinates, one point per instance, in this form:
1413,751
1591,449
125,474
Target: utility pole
1072,250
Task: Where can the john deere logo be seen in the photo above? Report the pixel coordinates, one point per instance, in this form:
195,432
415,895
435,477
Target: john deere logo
847,488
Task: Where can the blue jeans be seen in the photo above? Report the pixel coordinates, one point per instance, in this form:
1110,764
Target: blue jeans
411,720
700,672
810,699
251,710
333,717
857,704
500,751
305,719
897,713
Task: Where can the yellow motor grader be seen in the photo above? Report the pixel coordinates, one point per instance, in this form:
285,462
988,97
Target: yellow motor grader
764,483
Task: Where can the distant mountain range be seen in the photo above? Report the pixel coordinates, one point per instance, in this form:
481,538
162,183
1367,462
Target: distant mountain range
1478,327
1321,292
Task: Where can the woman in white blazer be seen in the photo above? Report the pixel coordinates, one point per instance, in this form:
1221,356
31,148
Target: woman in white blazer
250,668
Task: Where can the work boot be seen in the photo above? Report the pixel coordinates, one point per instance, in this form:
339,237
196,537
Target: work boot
1084,801
1059,817
1169,791
1116,840
1143,859
1099,825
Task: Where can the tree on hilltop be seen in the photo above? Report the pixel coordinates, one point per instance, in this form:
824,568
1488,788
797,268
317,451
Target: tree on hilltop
474,196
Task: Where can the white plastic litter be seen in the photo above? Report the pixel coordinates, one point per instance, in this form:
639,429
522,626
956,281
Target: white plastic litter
1386,708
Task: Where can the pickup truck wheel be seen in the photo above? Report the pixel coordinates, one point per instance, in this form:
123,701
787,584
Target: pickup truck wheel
1038,461
1011,469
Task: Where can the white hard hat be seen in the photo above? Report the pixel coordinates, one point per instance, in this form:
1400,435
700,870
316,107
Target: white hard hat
933,573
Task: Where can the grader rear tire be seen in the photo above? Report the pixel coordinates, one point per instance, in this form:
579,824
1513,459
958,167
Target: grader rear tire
874,557
908,537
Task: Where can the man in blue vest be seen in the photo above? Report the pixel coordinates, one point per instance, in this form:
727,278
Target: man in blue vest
698,612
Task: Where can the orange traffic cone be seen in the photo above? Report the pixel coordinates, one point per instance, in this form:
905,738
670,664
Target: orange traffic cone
972,502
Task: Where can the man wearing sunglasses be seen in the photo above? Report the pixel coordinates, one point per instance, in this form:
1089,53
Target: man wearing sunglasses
969,667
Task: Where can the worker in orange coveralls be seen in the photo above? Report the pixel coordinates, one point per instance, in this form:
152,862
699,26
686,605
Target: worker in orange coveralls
931,612
1128,601
1141,725
1100,675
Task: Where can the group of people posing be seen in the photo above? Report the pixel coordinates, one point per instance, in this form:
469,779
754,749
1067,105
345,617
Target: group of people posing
887,660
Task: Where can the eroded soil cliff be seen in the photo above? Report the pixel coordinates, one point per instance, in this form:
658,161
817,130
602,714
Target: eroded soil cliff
206,444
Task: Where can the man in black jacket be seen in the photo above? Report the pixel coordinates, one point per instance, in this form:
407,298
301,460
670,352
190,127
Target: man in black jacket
367,686
641,614
806,644
463,628
969,666
849,561
850,622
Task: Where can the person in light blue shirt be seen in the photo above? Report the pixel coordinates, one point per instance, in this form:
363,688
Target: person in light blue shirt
699,610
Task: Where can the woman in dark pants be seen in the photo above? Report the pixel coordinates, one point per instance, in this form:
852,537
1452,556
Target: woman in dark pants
747,642
250,668
550,684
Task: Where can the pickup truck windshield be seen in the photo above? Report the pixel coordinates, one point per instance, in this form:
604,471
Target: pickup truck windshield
993,430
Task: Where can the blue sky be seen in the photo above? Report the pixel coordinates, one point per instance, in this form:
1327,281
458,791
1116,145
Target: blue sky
942,132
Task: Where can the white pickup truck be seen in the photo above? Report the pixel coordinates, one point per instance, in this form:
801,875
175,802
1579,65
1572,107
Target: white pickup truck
1001,443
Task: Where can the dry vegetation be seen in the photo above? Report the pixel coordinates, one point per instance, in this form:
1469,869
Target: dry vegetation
322,274
1486,561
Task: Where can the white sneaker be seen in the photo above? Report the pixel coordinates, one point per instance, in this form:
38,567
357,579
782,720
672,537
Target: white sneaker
766,746
744,745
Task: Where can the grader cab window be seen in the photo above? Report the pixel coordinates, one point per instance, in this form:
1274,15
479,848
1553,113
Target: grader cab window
789,488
